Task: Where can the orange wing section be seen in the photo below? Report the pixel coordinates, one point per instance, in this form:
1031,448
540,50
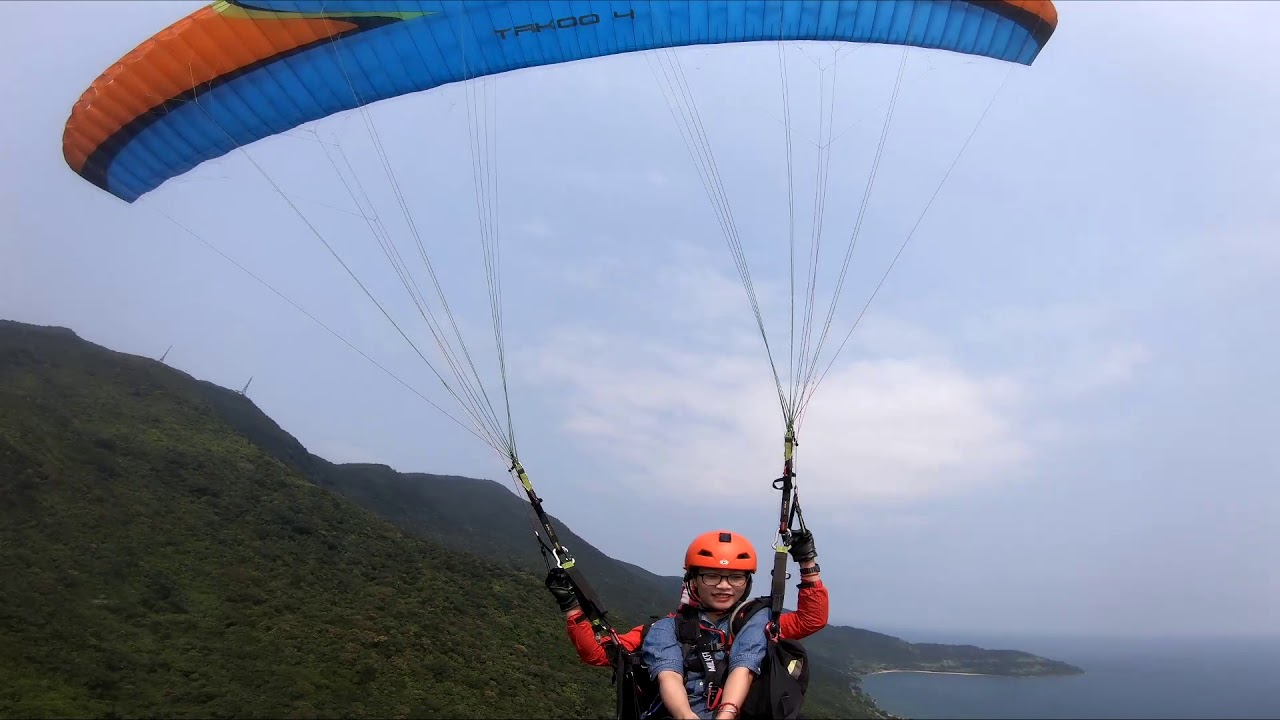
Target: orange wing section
198,49
1042,9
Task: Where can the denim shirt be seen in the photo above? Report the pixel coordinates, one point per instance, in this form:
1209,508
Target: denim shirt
661,651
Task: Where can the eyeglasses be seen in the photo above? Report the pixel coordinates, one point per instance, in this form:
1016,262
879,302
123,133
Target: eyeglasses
711,579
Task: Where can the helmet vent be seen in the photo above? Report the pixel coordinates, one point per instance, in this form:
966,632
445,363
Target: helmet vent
705,553
726,537
744,556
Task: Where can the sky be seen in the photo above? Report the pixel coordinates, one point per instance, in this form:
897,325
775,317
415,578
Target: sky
1055,417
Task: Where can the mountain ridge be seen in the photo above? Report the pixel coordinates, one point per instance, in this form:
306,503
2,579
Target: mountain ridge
166,566
643,594
412,502
173,567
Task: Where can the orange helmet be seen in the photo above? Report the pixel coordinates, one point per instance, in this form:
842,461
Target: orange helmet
721,550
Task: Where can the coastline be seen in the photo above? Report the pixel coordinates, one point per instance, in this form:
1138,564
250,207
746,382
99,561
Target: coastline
931,672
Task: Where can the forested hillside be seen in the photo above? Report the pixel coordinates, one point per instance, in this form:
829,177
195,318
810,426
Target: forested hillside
158,563
169,551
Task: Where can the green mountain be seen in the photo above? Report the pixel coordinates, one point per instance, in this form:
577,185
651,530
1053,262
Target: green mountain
158,563
169,551
863,652
487,517
450,509
184,555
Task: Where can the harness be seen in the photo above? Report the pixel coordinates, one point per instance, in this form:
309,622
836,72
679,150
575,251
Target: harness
699,646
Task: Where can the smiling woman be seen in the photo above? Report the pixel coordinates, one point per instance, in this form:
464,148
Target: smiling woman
241,71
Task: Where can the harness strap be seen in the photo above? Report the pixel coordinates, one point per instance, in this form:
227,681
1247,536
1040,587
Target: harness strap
700,644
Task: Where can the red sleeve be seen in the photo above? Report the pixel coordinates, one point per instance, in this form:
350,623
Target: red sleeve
810,614
584,640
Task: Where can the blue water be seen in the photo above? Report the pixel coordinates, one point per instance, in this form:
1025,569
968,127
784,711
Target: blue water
1124,678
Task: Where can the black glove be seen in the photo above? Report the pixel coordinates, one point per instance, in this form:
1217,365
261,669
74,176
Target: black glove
802,548
561,587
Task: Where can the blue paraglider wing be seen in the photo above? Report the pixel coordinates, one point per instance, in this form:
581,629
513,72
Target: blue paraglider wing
241,70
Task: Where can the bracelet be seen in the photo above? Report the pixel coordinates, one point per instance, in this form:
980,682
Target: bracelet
721,708
811,570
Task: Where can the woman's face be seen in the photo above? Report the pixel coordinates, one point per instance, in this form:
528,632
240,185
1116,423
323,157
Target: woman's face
718,590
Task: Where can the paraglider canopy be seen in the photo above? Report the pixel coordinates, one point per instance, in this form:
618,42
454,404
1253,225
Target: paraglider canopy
241,70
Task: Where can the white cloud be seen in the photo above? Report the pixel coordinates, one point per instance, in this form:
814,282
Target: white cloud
592,274
882,334
1113,365
1065,350
537,227
907,428
703,297
1019,325
889,429
1229,257
656,177
1221,48
1255,247
904,417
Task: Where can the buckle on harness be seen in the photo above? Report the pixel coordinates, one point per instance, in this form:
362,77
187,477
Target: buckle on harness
714,693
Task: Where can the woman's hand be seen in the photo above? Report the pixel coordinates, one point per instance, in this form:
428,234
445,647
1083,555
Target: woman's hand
802,548
561,588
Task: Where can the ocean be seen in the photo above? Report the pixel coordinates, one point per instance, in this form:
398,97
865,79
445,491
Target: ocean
1124,678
